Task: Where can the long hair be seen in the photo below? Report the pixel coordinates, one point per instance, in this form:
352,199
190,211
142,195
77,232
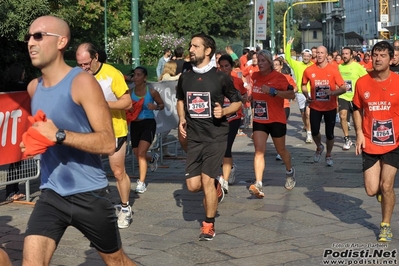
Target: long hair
209,42
169,68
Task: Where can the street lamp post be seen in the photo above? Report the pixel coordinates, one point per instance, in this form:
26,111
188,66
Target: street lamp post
307,33
105,28
251,4
299,3
272,39
135,33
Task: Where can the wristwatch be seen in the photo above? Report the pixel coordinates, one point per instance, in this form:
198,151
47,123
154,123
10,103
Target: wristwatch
60,136
273,92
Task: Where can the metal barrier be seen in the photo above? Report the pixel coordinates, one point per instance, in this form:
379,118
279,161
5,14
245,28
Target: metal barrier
21,172
157,144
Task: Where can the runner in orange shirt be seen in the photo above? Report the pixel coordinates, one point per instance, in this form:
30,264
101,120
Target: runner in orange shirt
366,62
268,94
376,118
323,79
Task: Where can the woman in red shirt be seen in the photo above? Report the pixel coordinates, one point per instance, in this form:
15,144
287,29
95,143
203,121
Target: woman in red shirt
270,88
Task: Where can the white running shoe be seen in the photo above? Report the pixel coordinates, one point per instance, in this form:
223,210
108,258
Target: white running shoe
290,180
223,183
154,164
347,145
141,187
256,190
337,119
317,154
125,217
309,138
232,176
278,157
329,161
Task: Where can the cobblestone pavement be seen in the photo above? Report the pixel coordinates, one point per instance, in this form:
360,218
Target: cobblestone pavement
327,212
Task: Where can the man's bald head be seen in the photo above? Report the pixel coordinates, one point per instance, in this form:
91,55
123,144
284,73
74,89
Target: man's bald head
53,25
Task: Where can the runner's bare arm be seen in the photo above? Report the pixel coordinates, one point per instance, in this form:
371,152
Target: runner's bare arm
123,103
157,98
360,142
182,117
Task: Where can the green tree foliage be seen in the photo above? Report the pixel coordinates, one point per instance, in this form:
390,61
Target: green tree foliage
16,16
223,17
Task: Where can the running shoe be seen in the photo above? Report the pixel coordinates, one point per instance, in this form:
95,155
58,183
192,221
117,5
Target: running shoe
290,180
219,190
385,233
309,138
379,196
141,187
232,176
278,157
317,154
349,126
207,231
337,119
223,183
256,190
154,163
125,217
347,145
329,161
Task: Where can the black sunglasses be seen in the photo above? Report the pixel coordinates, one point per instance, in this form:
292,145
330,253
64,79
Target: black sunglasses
38,36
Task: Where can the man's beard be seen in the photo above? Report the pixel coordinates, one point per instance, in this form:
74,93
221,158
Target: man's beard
196,60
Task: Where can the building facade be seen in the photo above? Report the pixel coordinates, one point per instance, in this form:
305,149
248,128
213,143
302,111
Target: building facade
359,24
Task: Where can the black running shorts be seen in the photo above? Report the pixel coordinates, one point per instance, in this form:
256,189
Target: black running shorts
142,130
276,130
92,213
345,105
119,142
391,158
204,157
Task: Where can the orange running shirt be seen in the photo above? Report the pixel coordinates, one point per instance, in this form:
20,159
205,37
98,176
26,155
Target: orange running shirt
322,79
268,109
367,66
380,104
239,85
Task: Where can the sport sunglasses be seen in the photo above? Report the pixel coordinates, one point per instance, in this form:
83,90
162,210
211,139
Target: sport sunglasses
38,36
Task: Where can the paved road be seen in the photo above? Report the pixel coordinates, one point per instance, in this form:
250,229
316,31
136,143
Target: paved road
327,211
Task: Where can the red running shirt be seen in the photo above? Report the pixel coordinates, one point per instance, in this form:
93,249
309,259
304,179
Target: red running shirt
380,104
321,79
268,109
239,85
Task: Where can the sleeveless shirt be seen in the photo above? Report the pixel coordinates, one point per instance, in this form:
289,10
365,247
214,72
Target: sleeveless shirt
64,169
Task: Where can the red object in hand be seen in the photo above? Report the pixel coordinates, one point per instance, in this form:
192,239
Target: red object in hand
35,143
134,112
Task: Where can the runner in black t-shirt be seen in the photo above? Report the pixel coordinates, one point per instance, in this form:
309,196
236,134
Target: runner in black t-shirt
394,66
203,126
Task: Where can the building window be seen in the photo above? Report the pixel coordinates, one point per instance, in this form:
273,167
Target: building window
315,34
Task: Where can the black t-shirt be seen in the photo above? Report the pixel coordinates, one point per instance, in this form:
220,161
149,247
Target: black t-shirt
199,92
179,63
394,68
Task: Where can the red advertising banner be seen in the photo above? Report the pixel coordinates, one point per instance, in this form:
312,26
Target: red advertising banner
14,112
